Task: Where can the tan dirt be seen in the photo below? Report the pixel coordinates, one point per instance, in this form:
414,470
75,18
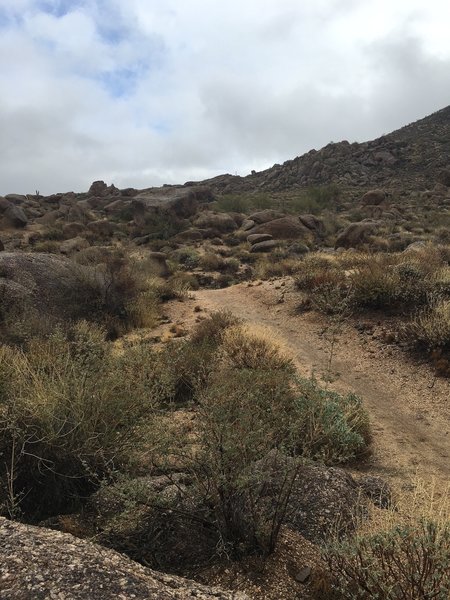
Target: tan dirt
409,407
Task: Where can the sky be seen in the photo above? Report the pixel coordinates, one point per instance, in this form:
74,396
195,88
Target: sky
147,92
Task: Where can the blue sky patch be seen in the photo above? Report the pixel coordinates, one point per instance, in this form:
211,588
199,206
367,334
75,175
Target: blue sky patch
57,8
121,82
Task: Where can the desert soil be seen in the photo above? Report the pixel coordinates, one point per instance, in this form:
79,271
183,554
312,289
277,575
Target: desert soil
409,407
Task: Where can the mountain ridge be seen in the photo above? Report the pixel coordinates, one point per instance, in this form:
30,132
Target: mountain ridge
408,158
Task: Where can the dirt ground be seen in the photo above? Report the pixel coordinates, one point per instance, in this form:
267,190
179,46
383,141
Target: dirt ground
409,407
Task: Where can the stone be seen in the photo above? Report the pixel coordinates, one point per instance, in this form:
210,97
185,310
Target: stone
15,216
286,228
101,228
16,198
313,223
444,177
263,216
247,224
264,246
254,238
71,230
40,563
98,188
73,245
355,234
159,260
221,222
373,198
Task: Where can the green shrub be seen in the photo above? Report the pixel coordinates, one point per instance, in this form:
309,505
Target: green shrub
402,563
330,427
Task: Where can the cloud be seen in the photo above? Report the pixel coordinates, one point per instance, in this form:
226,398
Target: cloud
140,93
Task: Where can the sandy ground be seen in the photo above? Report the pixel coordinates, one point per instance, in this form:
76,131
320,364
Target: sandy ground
409,407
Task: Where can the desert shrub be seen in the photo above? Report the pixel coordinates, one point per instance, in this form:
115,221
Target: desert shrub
316,198
188,258
430,328
213,328
330,427
54,234
404,562
188,364
47,246
70,412
241,420
211,262
326,283
244,347
266,268
234,203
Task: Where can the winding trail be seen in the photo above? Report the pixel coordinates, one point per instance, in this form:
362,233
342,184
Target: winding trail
408,406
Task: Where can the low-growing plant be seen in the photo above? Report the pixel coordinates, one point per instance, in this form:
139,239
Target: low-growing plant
404,562
330,427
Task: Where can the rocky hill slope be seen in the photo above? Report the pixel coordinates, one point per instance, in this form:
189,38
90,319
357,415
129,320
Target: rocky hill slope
410,158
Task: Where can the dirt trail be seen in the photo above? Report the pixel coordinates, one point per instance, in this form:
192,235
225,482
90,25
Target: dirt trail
409,408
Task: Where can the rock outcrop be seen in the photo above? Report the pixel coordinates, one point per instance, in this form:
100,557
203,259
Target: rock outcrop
40,564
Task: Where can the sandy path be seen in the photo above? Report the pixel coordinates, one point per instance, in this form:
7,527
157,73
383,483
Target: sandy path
409,409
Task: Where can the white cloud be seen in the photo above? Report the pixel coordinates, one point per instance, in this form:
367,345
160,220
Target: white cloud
143,92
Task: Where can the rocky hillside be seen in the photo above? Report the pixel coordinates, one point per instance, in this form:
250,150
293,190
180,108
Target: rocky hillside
410,158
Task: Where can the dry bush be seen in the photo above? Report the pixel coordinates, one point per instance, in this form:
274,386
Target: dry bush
211,262
70,412
266,267
247,347
430,328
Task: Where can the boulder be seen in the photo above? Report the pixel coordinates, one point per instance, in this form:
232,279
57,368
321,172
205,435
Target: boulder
101,228
16,198
355,234
247,224
254,238
39,563
286,228
118,207
444,177
323,500
190,235
263,216
159,261
313,223
373,197
73,245
15,216
71,230
219,221
178,200
264,246
98,188
4,204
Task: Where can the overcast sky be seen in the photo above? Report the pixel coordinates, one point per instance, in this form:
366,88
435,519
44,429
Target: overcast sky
145,92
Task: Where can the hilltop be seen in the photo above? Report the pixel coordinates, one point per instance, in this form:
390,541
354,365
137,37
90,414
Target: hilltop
407,159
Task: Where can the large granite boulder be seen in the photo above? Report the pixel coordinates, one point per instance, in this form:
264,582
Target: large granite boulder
38,564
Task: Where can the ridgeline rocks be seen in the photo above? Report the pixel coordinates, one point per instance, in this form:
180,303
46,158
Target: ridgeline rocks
411,158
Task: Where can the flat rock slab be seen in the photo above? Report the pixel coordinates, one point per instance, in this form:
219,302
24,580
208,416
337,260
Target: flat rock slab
38,564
